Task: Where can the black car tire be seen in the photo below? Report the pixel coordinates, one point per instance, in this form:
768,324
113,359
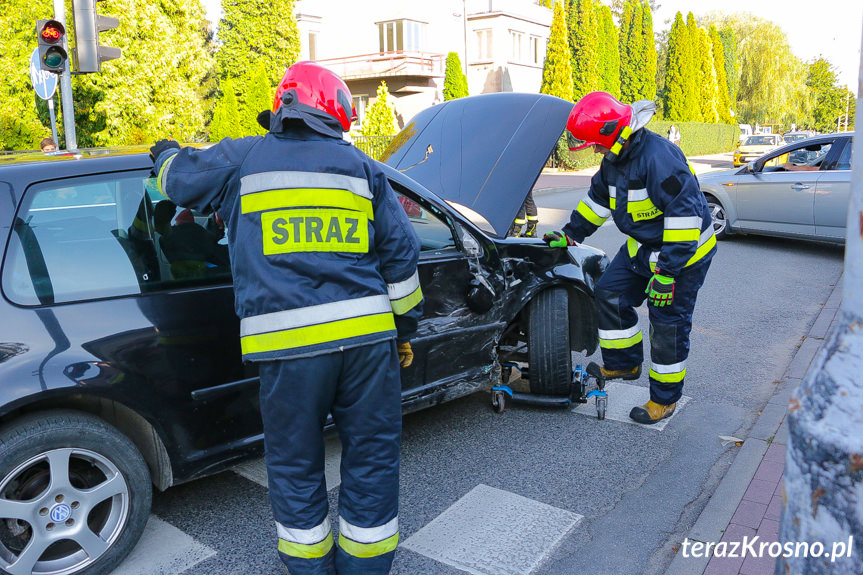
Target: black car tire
716,208
93,454
548,343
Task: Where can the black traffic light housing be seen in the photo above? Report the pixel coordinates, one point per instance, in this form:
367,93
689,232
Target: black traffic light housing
89,55
49,36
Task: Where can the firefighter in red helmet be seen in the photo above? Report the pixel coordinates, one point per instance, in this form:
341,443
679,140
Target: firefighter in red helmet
646,184
324,262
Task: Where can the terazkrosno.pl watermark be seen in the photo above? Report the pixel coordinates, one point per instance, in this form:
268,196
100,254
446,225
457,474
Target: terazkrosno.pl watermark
754,547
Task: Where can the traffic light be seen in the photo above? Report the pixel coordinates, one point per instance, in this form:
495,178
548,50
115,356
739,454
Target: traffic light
52,55
89,55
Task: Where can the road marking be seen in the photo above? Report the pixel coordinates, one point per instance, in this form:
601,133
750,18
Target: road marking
256,469
163,550
622,397
493,532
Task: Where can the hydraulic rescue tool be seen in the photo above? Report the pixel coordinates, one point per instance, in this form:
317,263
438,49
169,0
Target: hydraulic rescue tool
580,390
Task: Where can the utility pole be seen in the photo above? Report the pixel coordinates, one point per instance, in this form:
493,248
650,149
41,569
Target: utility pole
66,86
824,462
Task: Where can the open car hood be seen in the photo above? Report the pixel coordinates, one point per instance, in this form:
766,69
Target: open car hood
481,152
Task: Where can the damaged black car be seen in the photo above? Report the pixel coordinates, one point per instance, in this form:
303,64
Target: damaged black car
120,364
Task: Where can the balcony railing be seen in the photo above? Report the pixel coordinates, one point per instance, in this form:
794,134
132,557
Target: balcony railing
388,64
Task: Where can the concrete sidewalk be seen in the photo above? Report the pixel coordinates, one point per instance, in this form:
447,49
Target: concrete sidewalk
748,501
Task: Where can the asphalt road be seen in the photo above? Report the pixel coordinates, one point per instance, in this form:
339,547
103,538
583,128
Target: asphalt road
550,492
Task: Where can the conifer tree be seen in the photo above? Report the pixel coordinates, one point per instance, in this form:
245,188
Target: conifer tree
454,82
707,74
722,104
257,30
582,40
380,119
226,116
631,55
674,99
692,60
557,71
647,88
609,52
257,96
732,73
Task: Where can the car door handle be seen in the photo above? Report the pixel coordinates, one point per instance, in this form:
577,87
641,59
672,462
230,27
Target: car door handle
799,187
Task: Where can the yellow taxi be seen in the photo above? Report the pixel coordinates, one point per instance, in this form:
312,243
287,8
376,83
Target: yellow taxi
755,146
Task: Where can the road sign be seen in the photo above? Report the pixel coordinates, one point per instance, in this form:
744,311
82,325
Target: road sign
45,83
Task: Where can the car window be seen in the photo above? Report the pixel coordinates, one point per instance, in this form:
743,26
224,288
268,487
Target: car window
434,233
761,141
97,237
809,156
844,161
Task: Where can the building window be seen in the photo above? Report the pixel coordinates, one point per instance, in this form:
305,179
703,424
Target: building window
483,45
517,42
401,35
361,102
313,45
536,56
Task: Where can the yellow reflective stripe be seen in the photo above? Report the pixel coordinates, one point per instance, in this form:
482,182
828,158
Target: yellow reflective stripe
668,377
315,230
620,343
702,250
403,305
691,167
621,139
366,550
302,551
588,213
640,206
315,334
690,235
632,247
518,221
163,175
612,203
533,218
306,197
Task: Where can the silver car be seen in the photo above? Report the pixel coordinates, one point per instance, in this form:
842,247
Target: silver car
800,190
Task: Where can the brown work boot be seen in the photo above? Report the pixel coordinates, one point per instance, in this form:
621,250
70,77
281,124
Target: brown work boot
651,412
633,373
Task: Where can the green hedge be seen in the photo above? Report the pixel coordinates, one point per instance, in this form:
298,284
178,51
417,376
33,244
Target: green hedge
696,139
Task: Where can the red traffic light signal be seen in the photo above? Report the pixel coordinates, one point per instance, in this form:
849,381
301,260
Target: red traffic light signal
50,35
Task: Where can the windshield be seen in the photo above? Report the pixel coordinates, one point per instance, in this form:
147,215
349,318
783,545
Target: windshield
760,141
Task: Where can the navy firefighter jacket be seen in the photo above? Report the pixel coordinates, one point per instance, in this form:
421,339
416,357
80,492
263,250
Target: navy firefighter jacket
323,255
655,200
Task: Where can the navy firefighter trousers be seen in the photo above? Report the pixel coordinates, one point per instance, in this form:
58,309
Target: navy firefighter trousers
361,387
622,289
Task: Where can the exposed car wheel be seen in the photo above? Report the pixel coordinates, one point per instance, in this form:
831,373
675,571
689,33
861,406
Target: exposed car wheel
75,495
720,220
548,343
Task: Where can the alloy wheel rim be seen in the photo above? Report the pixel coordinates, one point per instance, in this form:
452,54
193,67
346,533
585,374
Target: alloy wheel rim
717,214
60,511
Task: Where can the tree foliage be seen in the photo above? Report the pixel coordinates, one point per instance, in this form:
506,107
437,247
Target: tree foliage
20,127
631,55
226,115
707,78
380,120
676,69
692,89
257,30
829,98
257,96
454,82
583,32
723,105
609,52
647,83
556,70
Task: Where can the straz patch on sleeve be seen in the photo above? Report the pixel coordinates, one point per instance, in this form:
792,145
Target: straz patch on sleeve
315,230
646,214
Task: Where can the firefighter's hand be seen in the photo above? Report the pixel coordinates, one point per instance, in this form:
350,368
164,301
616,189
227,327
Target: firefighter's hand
660,290
406,354
161,146
558,240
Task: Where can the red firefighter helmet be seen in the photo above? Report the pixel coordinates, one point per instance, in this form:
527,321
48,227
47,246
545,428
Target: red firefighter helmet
319,88
598,118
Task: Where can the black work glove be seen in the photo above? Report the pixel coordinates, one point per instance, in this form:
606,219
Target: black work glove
161,146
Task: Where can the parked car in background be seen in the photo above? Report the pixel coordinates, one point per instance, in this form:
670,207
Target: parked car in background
120,364
791,137
754,146
799,190
745,132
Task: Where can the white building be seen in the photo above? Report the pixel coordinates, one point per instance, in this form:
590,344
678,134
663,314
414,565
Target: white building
405,43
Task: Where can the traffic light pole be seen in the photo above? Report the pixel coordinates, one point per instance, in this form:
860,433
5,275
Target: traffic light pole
66,86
